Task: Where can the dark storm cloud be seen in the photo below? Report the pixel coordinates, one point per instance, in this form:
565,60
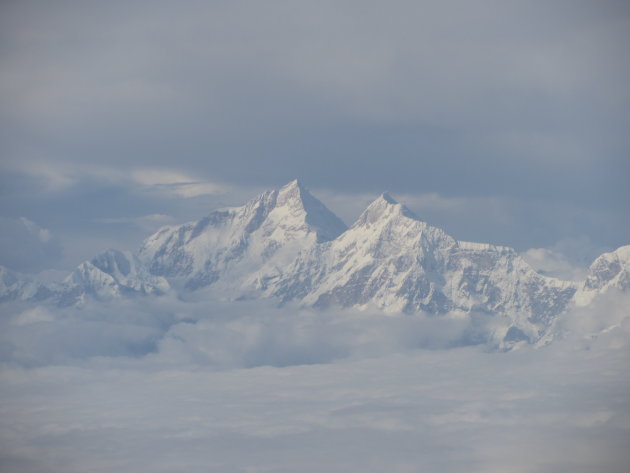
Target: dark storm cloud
525,102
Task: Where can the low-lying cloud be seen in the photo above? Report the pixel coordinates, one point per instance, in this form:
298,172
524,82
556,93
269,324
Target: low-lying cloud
167,332
170,332
168,385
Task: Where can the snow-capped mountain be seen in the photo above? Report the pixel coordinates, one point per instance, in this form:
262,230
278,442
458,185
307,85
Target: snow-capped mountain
285,244
608,271
229,245
111,274
278,246
391,260
14,286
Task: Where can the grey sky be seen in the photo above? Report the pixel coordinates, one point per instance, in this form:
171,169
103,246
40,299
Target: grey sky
500,121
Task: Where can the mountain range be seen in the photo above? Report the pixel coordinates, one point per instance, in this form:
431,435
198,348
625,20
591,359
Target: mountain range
287,246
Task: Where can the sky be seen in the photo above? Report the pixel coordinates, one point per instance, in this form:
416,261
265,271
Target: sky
499,121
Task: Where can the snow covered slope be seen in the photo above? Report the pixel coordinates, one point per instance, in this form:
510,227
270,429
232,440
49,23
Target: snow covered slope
14,286
231,244
392,261
110,275
608,271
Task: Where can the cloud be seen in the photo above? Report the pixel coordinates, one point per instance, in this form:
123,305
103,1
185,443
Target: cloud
240,387
605,323
554,264
35,315
66,175
295,337
170,332
172,182
232,92
146,222
42,234
25,246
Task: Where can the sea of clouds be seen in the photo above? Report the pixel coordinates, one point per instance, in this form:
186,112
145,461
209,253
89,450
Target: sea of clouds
163,385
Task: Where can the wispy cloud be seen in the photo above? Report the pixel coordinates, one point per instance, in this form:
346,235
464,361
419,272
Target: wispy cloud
64,175
176,183
147,222
25,246
553,263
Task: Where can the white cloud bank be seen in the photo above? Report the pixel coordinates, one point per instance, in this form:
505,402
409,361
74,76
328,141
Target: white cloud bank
182,386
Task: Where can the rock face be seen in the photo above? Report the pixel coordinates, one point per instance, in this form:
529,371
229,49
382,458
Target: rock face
286,245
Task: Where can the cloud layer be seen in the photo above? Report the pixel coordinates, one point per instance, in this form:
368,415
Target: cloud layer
205,388
169,385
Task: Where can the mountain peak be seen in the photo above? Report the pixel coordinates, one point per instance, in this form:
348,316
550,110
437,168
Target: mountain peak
295,183
293,192
609,267
295,196
387,198
384,206
112,260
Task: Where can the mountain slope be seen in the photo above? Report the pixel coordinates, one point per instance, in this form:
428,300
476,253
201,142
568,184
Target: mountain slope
394,262
232,243
14,286
608,271
110,275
